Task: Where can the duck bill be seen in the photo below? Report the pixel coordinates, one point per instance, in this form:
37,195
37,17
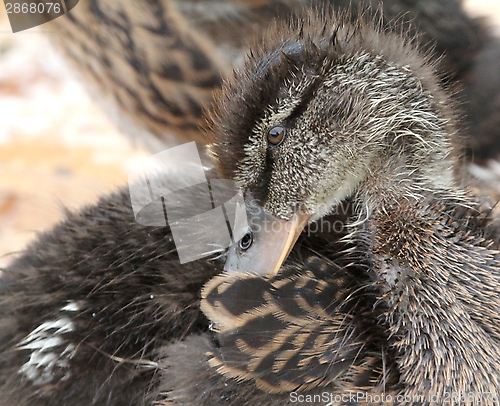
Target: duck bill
284,241
273,239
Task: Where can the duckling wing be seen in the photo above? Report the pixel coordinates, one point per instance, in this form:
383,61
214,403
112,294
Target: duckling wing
296,330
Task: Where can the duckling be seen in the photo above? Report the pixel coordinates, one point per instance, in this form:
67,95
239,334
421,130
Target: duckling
99,311
89,307
327,112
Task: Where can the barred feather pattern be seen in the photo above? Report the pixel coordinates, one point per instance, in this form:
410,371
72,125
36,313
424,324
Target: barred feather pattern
304,328
155,64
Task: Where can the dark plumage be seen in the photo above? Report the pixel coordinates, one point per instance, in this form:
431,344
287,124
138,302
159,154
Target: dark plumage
403,301
155,65
367,120
87,309
100,311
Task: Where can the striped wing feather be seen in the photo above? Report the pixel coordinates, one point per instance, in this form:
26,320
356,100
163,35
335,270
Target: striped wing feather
287,332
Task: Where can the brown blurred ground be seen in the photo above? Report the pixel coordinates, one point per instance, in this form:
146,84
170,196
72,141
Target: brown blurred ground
57,148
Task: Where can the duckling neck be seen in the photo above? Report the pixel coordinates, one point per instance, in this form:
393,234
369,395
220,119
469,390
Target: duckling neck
412,173
440,296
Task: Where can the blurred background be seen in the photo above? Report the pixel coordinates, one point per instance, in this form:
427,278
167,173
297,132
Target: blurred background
57,148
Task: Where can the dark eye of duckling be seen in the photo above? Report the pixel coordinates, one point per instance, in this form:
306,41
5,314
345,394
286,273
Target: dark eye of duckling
276,134
246,241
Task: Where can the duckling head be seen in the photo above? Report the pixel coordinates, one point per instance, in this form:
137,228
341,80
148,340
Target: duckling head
325,110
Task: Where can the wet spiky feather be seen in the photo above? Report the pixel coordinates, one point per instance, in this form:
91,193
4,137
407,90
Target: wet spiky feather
402,301
366,121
